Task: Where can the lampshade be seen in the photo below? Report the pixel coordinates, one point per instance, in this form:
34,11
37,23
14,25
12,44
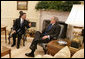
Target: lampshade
76,16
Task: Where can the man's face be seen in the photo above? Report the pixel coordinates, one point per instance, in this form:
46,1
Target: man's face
24,16
52,20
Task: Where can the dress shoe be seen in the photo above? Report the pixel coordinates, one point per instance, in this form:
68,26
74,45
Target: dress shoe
45,51
29,54
12,45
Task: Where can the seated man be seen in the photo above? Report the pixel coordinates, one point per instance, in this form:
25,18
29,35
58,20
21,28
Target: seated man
19,28
47,35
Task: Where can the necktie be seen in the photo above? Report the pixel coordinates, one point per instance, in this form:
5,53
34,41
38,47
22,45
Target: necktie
49,27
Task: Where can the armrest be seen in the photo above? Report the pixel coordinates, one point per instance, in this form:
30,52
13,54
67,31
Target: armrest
11,28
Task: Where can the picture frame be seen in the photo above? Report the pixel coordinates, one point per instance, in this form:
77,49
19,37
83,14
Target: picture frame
22,5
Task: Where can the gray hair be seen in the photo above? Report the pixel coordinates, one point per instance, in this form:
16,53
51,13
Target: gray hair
56,19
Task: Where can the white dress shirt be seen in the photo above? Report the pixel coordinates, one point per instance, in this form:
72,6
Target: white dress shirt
21,22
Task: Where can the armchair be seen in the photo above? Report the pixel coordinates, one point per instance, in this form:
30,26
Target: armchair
23,36
62,34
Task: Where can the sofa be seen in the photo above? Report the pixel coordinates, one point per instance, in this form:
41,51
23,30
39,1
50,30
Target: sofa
64,53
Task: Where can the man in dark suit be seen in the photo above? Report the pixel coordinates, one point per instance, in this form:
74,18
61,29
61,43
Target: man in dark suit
19,28
46,36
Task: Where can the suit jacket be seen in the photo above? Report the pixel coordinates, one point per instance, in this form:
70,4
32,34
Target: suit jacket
18,28
53,32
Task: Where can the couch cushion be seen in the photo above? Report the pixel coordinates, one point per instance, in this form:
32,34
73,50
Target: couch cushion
63,53
79,54
47,56
38,56
44,56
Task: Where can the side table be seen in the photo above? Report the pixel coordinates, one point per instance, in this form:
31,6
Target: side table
5,51
3,28
53,47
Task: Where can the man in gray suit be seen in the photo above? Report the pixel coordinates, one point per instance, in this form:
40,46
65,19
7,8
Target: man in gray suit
52,30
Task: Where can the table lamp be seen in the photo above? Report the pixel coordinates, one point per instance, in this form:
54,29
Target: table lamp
76,19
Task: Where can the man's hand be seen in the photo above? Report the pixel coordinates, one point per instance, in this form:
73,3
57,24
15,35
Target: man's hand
29,24
44,37
13,31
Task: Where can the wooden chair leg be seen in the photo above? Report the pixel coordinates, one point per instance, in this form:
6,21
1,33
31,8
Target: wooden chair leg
23,42
9,40
9,53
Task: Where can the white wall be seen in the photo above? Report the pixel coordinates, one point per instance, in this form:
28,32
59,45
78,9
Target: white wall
9,12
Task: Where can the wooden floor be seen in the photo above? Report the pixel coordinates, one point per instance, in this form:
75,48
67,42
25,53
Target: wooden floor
20,53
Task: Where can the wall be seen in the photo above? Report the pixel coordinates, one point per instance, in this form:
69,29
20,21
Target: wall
9,12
